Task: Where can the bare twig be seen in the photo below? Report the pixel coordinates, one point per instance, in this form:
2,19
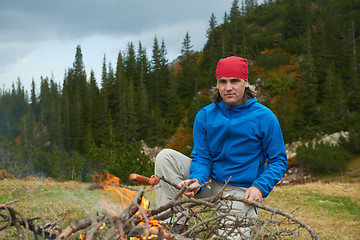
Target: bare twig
289,216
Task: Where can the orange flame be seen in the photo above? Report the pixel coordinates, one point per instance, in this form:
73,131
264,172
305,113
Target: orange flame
120,197
116,197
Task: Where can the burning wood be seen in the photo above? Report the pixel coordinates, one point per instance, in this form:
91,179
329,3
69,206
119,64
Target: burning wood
200,219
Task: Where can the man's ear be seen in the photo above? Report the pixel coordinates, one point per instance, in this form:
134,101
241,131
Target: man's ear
247,84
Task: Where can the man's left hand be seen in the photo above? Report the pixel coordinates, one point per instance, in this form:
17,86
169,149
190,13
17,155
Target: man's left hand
253,194
195,187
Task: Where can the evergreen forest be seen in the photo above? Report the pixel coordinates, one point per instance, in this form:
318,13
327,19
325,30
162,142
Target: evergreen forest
303,60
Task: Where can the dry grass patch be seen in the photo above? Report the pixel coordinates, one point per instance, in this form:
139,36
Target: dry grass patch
333,210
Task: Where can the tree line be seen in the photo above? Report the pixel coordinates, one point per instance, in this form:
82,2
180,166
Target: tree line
304,61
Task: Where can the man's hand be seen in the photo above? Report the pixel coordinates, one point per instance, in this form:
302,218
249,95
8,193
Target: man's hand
194,185
253,194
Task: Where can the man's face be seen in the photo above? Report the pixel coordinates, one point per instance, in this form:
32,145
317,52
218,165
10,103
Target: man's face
231,90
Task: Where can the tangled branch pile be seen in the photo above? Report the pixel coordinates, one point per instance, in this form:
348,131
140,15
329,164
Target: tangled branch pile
187,218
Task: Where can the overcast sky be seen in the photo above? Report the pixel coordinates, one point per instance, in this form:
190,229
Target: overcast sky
39,37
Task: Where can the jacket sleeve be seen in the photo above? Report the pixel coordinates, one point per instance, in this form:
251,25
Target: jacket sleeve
275,154
201,163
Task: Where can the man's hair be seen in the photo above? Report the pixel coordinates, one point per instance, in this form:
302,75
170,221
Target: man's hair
215,95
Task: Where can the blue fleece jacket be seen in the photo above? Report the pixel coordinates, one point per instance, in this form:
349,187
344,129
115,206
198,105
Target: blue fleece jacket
244,142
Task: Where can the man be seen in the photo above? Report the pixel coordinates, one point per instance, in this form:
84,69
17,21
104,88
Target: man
235,137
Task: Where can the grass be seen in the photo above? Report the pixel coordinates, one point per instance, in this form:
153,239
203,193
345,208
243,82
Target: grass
61,202
332,209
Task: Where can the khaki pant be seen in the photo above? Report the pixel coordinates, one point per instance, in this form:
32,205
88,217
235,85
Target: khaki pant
175,167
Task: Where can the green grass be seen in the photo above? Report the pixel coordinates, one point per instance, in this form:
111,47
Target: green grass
336,205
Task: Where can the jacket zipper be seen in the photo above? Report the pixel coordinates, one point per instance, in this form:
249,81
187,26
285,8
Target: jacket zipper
228,134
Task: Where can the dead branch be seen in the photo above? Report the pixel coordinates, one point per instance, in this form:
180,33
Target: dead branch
15,219
275,211
79,225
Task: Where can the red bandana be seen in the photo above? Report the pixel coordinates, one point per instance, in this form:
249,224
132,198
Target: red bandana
232,67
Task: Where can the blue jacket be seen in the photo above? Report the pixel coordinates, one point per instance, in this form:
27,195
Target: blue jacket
244,142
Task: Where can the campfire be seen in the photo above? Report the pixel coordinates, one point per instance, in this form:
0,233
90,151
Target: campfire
128,215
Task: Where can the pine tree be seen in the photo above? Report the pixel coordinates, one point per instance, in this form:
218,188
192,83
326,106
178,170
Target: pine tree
164,78
106,118
111,79
65,103
79,100
354,70
95,113
130,64
34,103
250,5
226,41
55,114
334,109
105,87
212,53
144,108
307,113
186,44
75,105
120,77
154,83
187,78
159,89
210,50
142,64
236,27
45,118
17,108
33,113
169,107
121,96
294,22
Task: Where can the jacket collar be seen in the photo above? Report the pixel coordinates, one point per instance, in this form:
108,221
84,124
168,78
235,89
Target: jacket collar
240,107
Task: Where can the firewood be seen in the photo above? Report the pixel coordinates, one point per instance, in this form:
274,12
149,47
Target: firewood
207,217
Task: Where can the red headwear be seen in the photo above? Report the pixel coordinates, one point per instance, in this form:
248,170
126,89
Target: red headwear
232,67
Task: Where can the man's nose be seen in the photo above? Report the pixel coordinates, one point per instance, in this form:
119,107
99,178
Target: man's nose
228,86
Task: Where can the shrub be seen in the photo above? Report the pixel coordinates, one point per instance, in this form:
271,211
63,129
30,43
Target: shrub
322,158
353,143
5,175
122,160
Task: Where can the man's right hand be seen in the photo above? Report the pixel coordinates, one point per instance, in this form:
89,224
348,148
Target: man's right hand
195,187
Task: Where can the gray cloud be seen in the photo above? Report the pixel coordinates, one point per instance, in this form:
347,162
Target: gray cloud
37,19
30,26
27,22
